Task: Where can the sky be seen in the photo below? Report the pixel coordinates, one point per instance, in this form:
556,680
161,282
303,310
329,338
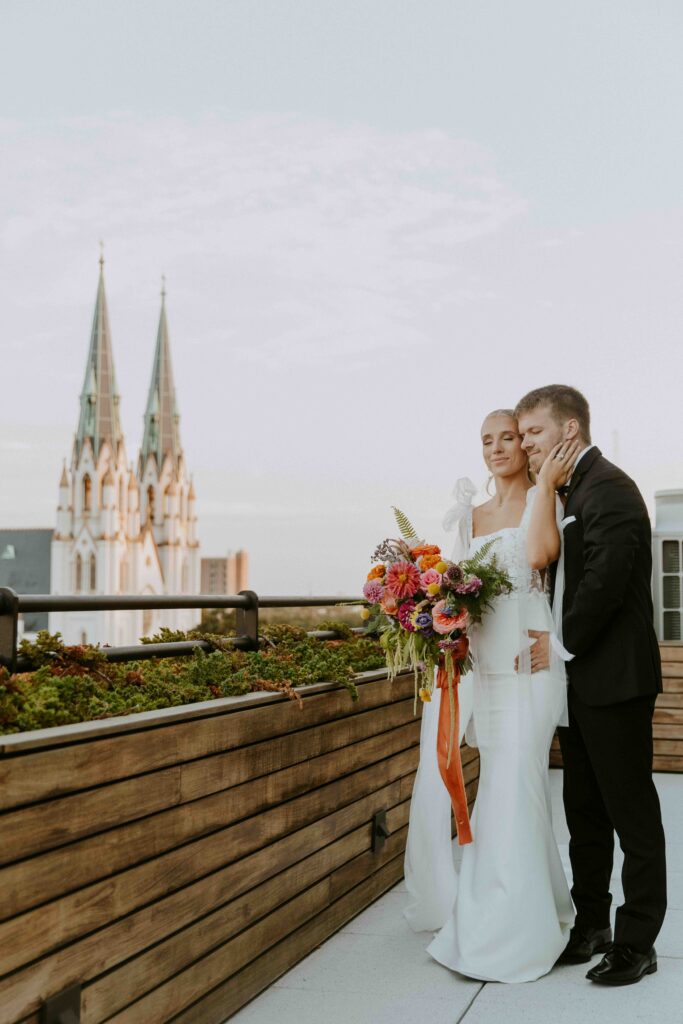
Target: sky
378,221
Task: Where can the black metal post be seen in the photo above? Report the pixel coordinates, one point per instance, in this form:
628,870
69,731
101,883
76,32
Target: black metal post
246,605
247,620
63,1008
9,627
380,830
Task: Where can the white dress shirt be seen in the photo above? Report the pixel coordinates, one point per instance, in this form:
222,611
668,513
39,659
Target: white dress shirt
559,648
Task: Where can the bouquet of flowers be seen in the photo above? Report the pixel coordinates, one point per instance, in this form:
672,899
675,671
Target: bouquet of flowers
422,606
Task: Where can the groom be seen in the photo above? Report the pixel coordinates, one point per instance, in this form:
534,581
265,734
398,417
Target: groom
614,672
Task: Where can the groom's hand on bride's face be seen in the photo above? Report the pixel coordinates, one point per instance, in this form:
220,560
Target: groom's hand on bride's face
539,651
557,468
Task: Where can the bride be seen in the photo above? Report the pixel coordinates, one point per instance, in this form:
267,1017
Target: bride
505,914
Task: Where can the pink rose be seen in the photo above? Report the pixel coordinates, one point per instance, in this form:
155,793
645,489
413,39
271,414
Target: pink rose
430,576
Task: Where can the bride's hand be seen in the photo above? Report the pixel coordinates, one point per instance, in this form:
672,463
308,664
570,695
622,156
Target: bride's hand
557,468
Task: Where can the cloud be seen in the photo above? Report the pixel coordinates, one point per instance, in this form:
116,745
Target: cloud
344,305
321,237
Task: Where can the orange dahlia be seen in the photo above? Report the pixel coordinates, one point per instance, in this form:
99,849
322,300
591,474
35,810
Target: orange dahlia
378,571
425,549
429,561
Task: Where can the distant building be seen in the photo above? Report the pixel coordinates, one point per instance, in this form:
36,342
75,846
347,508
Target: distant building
120,529
667,564
25,567
225,575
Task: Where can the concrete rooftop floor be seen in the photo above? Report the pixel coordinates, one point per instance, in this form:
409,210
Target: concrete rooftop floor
375,970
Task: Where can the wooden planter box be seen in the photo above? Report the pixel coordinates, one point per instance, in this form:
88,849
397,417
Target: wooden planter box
667,725
175,863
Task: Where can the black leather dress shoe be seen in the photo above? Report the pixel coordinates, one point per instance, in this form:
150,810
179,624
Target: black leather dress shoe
584,943
623,966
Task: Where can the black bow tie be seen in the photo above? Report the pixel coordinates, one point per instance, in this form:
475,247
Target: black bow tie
563,490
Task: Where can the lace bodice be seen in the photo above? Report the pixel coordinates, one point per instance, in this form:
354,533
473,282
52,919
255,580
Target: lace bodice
510,550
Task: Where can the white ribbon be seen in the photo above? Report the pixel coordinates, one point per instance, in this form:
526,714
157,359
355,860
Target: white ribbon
457,517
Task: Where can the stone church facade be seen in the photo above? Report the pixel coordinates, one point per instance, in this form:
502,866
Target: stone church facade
124,527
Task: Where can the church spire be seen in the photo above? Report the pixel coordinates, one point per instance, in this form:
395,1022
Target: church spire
161,433
99,417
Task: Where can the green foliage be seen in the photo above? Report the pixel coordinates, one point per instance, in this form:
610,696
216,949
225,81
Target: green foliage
76,684
377,621
404,524
166,636
222,621
49,649
495,581
342,628
482,555
282,633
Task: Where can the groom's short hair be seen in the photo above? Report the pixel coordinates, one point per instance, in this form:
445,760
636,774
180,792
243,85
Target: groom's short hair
564,403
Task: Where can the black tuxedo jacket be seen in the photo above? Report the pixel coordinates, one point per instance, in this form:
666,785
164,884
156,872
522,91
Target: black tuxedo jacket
607,613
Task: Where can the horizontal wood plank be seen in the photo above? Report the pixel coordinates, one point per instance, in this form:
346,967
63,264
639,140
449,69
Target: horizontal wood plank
665,763
664,715
166,876
38,931
147,971
666,732
25,884
220,1004
117,725
214,967
669,747
672,699
101,951
39,775
44,826
671,652
190,984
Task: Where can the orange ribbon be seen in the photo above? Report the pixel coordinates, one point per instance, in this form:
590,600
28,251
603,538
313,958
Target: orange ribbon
452,775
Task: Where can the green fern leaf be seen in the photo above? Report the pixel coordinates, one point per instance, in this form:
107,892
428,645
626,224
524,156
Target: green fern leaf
404,524
482,554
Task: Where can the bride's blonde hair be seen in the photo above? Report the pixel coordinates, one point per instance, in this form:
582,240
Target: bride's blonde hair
512,415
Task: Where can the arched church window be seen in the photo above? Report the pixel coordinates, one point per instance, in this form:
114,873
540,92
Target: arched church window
87,493
122,495
150,502
79,572
123,576
93,572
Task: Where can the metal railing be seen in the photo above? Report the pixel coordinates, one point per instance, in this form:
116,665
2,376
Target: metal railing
246,603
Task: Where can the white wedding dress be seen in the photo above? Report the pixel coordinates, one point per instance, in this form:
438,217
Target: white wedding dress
505,913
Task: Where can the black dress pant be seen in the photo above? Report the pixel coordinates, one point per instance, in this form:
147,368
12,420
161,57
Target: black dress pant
608,788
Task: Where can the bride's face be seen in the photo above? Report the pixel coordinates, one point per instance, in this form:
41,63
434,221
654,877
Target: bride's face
502,446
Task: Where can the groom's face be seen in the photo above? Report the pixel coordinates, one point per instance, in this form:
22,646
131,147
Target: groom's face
540,433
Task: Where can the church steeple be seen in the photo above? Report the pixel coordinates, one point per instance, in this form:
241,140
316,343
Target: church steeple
99,416
161,433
